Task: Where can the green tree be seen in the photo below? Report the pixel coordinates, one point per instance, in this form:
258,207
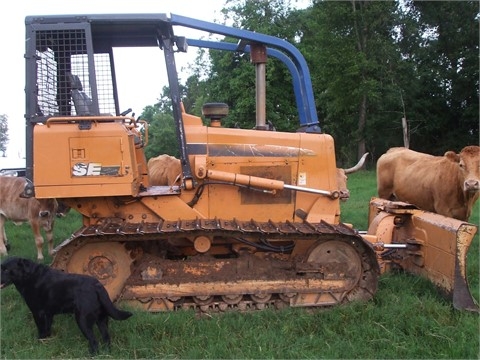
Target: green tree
162,133
3,134
350,49
440,39
231,76
162,136
371,63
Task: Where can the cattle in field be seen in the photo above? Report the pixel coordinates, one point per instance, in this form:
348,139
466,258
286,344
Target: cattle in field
342,177
40,213
448,185
164,170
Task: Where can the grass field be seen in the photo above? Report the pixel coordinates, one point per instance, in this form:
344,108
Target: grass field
407,319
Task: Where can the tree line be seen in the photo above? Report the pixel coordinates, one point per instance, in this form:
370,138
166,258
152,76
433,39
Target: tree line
372,63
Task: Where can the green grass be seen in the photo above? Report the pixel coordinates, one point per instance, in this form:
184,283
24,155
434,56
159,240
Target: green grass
407,319
362,186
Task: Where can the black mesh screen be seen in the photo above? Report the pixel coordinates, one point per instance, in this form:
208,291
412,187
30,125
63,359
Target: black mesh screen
61,57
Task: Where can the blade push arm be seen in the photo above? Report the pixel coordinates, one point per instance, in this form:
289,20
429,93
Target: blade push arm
264,183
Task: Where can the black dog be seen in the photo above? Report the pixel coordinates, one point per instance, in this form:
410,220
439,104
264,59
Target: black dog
48,292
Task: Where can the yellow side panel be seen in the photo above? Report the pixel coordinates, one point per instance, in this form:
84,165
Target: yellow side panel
305,160
69,162
254,153
318,172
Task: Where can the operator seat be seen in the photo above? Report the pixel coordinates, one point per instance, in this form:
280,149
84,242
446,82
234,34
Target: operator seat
82,102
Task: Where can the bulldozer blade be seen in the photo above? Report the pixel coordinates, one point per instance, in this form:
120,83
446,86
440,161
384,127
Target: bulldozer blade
437,247
446,244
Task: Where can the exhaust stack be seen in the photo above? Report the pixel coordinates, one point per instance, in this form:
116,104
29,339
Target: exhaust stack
258,56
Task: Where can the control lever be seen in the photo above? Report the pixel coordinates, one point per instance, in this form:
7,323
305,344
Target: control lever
126,112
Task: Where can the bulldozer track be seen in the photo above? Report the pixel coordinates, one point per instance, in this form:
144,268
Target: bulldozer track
113,226
275,264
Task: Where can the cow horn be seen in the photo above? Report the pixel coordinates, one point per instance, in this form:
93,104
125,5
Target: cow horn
358,166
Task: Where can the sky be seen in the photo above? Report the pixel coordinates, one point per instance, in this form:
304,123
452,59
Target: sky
142,92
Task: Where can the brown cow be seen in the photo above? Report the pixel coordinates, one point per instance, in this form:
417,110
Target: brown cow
447,185
342,178
40,213
166,170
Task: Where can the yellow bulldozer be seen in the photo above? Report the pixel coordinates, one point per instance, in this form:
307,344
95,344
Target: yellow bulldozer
254,221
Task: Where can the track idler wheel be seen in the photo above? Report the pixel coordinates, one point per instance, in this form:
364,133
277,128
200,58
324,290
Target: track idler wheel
108,262
350,261
339,260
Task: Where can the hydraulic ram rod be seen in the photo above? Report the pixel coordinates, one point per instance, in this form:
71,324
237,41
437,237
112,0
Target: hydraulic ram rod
264,183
